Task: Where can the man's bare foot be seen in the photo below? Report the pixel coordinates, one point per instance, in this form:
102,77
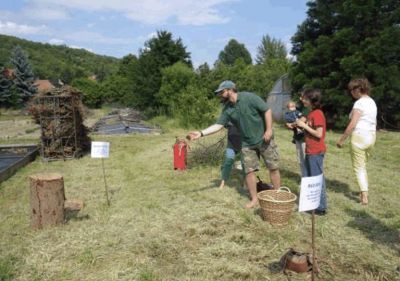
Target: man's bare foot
364,198
251,204
221,186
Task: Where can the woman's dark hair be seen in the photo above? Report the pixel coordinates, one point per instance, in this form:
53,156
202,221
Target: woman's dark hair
314,96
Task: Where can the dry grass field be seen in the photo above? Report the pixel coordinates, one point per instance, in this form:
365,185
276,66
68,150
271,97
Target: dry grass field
169,225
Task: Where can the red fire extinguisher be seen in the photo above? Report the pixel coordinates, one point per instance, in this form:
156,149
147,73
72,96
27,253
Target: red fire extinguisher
180,153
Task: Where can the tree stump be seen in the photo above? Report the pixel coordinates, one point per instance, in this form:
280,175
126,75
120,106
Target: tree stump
46,199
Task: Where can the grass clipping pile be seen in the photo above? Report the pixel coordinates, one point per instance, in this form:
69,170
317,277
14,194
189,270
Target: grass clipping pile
207,151
60,114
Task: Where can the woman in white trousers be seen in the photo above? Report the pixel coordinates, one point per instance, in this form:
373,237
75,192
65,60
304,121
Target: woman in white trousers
362,129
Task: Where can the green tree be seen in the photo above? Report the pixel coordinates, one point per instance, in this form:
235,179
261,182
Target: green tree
175,79
24,78
5,89
182,96
205,79
203,71
233,51
257,78
118,89
270,48
101,73
128,66
341,40
262,77
92,92
159,52
194,108
127,76
67,75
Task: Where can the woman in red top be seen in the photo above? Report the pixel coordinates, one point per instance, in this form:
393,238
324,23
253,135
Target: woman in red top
315,129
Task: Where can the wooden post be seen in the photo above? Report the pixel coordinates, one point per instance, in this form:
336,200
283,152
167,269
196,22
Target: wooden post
105,182
46,199
313,245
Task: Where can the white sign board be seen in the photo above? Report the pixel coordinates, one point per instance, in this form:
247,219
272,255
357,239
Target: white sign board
100,149
310,192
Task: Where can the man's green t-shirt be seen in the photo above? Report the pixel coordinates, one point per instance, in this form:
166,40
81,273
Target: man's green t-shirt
247,114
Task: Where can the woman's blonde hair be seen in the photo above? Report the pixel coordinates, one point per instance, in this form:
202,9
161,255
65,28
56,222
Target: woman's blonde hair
360,83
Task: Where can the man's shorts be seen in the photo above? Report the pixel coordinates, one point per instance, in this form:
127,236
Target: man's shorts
269,153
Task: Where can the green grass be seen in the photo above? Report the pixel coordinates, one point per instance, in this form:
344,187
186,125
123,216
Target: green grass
7,268
168,225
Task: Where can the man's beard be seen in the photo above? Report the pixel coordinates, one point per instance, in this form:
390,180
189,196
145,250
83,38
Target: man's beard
224,100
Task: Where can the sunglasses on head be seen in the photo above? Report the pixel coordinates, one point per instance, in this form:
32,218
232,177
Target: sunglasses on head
354,88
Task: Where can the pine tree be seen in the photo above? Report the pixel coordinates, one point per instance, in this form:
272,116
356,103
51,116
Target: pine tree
158,53
233,51
269,49
341,40
5,89
24,77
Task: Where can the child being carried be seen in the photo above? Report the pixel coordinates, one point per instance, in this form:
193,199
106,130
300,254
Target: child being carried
292,115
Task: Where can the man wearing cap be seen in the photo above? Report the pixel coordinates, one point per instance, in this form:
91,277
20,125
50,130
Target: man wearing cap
253,117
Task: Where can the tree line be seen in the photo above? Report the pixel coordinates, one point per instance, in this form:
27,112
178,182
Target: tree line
55,62
162,79
338,41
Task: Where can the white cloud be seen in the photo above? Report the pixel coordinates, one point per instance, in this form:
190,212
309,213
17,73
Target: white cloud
94,37
55,41
13,28
151,35
185,12
79,47
141,39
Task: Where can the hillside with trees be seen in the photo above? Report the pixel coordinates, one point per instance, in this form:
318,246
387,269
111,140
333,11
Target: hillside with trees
338,41
160,80
58,62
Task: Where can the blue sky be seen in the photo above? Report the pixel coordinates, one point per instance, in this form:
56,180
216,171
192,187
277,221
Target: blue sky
120,27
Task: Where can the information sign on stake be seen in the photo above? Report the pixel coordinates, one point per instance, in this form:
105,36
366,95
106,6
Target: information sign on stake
310,197
310,192
101,149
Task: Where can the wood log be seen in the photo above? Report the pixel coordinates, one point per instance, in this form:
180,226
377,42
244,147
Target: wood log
46,200
71,205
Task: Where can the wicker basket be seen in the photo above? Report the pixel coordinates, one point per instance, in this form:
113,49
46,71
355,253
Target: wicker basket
277,205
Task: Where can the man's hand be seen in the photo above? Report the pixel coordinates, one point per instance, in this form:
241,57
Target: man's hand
193,135
267,135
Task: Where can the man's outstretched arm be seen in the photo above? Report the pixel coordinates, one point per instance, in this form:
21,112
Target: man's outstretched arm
208,131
